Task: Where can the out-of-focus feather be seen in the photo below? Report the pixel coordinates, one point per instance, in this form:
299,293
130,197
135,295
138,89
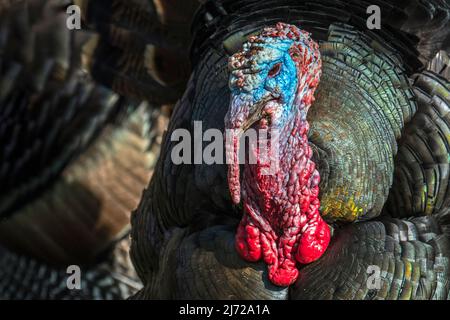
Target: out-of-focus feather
143,46
22,278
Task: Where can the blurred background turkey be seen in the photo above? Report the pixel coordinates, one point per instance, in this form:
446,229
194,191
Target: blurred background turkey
75,157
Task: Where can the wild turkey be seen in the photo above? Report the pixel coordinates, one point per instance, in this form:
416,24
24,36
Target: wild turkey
375,100
74,159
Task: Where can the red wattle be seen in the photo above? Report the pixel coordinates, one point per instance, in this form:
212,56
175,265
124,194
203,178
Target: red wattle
283,276
248,241
287,229
313,243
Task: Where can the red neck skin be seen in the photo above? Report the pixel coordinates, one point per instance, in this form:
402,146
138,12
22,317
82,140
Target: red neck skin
281,223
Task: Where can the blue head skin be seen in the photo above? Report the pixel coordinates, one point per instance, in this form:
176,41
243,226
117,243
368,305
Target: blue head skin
263,84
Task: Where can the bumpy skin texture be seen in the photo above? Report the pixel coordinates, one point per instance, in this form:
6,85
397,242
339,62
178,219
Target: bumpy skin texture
281,221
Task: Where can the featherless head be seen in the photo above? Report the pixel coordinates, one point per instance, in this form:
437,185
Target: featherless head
282,64
272,82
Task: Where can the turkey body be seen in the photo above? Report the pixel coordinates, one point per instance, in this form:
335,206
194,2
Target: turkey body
367,111
74,158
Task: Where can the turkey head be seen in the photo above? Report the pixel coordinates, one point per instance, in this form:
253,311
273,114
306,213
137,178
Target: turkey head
272,81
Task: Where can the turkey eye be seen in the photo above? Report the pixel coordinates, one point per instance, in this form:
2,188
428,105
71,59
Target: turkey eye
275,70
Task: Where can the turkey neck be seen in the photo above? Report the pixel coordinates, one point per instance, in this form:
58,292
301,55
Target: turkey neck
281,222
260,189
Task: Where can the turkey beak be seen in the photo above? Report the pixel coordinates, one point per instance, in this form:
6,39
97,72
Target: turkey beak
255,115
241,116
243,113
